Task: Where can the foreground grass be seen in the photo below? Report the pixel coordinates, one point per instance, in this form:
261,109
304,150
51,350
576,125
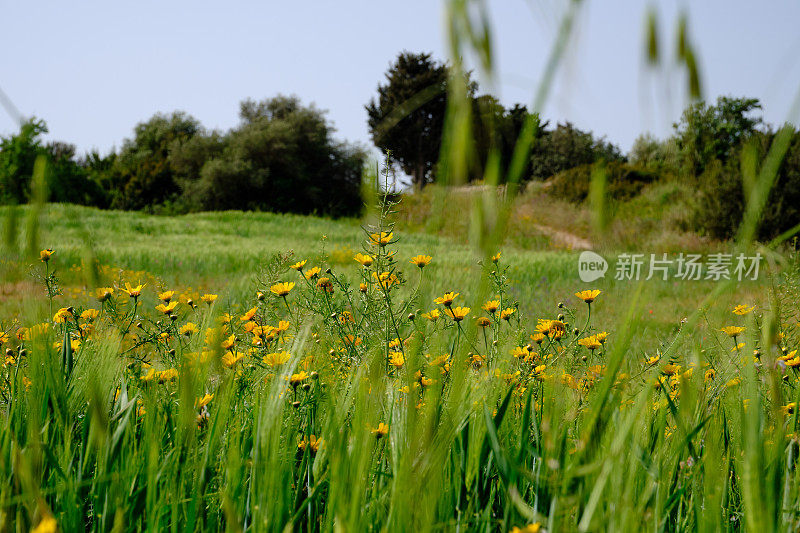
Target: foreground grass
346,405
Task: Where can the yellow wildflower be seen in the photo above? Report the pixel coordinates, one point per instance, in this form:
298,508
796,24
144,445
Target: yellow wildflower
588,296
282,289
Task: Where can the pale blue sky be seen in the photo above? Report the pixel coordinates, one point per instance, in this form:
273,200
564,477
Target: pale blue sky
93,69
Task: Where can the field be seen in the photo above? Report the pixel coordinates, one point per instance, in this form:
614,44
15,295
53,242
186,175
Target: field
241,388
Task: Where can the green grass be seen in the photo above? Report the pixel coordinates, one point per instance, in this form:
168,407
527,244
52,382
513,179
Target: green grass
223,252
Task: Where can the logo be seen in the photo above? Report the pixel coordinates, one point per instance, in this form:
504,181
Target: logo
591,266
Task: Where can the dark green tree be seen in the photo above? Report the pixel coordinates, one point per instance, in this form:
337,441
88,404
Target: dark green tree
496,127
706,133
407,118
18,154
67,179
281,157
721,197
143,175
567,147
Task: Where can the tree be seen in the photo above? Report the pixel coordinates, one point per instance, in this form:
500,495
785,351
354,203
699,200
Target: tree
407,119
721,191
18,154
706,133
281,158
567,147
143,175
497,127
67,180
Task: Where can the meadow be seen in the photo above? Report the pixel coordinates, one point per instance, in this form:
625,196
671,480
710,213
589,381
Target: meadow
254,371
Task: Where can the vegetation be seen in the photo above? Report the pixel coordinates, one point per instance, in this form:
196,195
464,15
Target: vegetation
433,364
376,373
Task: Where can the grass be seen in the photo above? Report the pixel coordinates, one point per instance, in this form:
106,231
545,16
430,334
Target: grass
107,427
223,252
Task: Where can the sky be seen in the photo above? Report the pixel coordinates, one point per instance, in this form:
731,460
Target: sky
93,69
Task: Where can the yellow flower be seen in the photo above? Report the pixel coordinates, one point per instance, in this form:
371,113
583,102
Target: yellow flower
312,442
519,352
421,260
553,328
325,284
209,298
167,375
362,287
732,331
789,408
276,359
133,292
491,306
298,378
312,273
90,314
483,321
653,360
381,239
203,401
590,342
103,293
432,315
381,431
588,296
364,259
47,524
248,316
45,255
742,310
457,313
396,359
447,299
166,296
149,376
167,309
282,289
283,326
496,257
709,375
536,527
231,358
601,337
190,328
227,343
538,338
385,279
62,315
299,265
507,312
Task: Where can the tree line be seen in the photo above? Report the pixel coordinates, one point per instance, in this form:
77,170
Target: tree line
283,157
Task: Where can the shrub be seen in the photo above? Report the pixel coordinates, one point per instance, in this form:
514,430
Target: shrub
721,201
624,181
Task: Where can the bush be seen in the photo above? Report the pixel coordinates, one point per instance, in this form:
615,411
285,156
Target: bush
624,181
281,158
721,202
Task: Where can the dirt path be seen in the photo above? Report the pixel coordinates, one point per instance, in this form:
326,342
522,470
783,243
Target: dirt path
564,238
